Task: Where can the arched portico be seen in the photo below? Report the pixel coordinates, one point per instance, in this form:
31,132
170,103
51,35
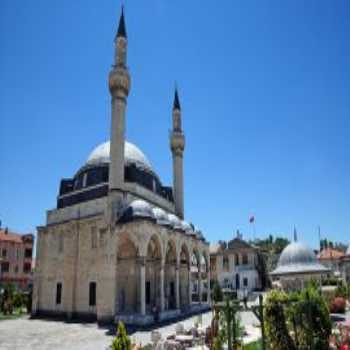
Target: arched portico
153,261
170,266
184,279
195,275
204,277
127,276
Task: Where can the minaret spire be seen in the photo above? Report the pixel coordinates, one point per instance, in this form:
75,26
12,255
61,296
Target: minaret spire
295,235
119,87
176,100
177,146
121,27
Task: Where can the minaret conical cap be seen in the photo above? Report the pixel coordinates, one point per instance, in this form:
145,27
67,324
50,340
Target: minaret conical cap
121,28
176,101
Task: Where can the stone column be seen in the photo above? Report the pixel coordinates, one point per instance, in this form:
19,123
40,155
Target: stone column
208,286
177,271
162,287
200,283
189,286
143,285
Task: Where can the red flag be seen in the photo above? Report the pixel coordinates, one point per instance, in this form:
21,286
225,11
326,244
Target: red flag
252,219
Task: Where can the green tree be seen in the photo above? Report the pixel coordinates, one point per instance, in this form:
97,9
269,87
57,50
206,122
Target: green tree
7,299
217,292
276,325
121,340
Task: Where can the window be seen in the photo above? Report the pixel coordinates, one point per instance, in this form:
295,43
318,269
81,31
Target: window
60,243
27,267
17,253
4,253
28,253
225,263
5,266
93,237
84,179
92,294
212,264
58,293
245,259
236,259
16,269
245,282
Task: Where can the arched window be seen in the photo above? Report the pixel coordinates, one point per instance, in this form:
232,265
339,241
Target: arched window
225,263
245,259
236,259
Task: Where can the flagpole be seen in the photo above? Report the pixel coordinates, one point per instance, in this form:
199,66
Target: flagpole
319,236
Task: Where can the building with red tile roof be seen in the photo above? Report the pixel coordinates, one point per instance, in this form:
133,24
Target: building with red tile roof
16,257
331,258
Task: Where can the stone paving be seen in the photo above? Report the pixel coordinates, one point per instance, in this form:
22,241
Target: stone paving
24,333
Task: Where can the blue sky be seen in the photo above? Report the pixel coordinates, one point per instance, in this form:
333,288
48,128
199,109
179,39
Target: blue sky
264,87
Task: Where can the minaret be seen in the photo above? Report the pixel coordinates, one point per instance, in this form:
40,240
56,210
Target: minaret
119,86
177,146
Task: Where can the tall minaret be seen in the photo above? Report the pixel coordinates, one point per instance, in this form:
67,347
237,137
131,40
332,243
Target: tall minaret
177,146
119,85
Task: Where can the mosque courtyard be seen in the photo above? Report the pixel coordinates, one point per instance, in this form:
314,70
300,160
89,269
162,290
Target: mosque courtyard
24,333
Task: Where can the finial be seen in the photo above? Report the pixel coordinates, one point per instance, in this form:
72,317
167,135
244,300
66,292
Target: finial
295,235
122,28
176,100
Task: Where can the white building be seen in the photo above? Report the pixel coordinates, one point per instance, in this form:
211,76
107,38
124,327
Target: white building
234,265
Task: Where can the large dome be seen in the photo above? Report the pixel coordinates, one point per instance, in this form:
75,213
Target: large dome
101,154
297,258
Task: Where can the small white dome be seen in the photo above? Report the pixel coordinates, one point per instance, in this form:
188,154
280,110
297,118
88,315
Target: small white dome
101,154
296,257
174,221
187,227
296,253
138,208
161,216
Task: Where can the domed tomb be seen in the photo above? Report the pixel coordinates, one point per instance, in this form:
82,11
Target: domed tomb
91,180
297,258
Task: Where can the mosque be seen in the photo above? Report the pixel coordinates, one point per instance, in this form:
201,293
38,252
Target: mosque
117,246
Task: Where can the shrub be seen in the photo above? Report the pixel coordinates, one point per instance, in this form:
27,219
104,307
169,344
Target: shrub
276,322
121,340
217,292
338,305
298,320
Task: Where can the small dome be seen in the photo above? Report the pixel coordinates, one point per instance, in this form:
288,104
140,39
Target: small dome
297,258
161,216
101,155
296,253
187,227
199,235
174,221
137,209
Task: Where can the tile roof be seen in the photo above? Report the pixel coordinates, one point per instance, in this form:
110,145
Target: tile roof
329,253
8,236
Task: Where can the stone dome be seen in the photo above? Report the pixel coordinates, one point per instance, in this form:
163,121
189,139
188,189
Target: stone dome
187,227
296,257
175,221
101,155
161,216
138,208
